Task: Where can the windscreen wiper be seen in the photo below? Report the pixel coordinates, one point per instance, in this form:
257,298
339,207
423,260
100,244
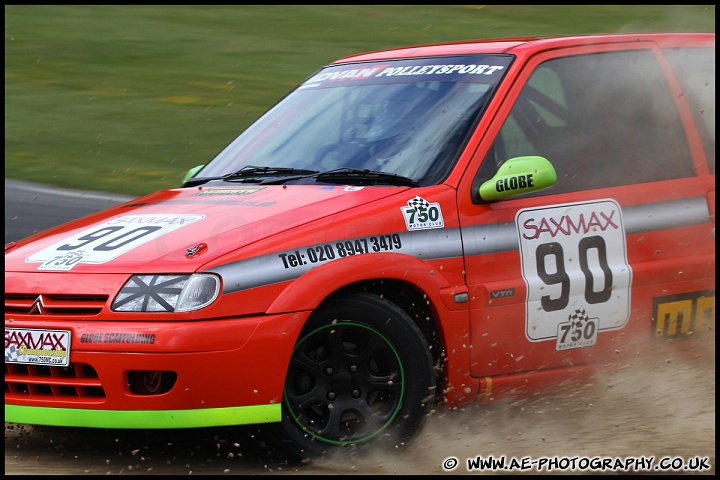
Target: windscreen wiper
358,176
252,173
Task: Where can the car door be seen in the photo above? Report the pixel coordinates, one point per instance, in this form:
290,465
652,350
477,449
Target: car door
581,272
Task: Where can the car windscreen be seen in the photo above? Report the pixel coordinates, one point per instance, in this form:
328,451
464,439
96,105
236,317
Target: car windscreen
407,117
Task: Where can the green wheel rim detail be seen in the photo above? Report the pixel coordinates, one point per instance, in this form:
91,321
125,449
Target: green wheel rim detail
399,403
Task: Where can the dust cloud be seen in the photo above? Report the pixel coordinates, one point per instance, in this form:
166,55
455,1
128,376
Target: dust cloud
662,407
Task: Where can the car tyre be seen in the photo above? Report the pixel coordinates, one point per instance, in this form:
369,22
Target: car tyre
360,375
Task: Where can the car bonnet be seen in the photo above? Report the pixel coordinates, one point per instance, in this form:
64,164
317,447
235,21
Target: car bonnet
180,230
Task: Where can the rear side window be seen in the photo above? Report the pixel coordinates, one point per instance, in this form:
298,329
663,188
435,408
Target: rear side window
695,70
602,120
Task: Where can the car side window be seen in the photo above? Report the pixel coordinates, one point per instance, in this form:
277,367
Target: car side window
602,120
695,70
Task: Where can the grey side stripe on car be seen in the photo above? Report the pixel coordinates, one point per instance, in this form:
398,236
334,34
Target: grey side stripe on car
435,244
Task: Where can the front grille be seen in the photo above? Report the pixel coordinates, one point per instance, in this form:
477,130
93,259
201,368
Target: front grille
78,380
25,303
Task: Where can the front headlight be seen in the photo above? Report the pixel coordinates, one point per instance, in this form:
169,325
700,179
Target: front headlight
167,293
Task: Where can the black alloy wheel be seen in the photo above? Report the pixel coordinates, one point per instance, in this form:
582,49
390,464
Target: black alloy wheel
361,373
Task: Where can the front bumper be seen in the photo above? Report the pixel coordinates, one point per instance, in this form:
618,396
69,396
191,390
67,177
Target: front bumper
226,372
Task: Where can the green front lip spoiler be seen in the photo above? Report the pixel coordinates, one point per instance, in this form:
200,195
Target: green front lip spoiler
144,419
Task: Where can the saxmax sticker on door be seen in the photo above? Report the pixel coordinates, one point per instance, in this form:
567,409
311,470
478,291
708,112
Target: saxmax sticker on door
574,263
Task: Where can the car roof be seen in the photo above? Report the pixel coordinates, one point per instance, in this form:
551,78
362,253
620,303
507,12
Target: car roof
518,45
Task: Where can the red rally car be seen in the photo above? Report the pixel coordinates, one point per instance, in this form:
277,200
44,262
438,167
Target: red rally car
440,224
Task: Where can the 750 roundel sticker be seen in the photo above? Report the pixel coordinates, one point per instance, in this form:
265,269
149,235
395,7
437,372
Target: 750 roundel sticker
420,214
106,241
574,263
